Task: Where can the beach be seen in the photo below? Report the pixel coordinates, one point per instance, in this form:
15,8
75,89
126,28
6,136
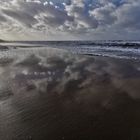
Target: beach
52,94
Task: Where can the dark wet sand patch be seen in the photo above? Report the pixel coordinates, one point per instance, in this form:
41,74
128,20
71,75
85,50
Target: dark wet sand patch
71,97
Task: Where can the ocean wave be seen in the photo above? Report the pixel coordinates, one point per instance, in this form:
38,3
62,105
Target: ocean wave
117,49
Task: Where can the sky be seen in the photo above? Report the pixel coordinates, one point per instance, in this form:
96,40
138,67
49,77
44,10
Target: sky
70,19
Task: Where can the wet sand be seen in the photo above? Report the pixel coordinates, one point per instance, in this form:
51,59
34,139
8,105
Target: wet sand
55,95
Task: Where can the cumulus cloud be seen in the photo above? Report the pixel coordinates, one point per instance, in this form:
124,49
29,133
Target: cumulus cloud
128,15
69,17
105,14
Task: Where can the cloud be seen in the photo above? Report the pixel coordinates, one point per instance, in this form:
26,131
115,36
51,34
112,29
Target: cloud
128,15
2,19
20,16
69,18
105,15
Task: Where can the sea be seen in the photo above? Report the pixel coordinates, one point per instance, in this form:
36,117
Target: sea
110,48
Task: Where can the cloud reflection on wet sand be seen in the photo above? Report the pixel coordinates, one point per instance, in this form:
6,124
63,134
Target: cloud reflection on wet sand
63,96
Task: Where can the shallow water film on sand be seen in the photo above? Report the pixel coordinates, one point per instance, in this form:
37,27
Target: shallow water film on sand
50,93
